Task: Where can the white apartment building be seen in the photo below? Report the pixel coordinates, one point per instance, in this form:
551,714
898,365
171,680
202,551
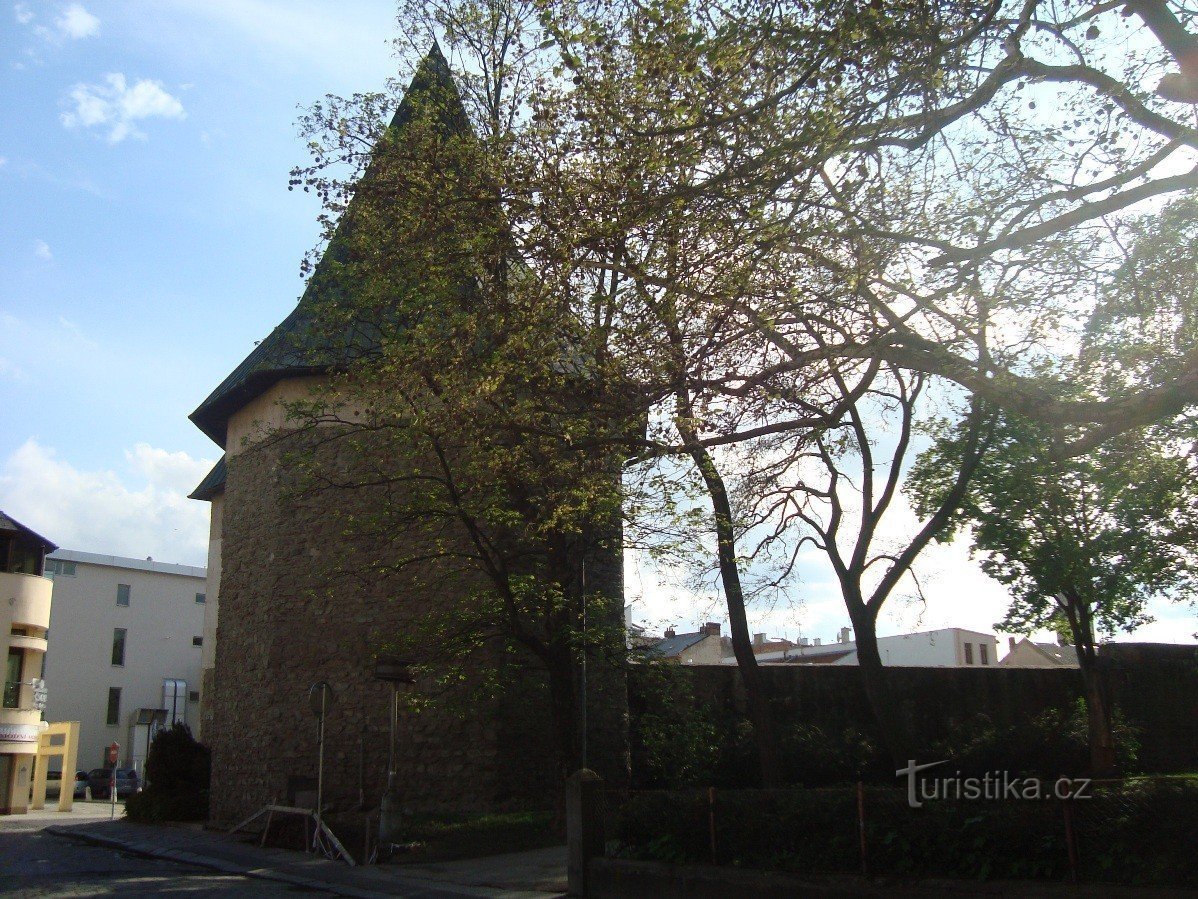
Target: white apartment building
950,647
126,650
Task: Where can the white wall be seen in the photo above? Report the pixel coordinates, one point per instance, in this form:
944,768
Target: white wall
161,619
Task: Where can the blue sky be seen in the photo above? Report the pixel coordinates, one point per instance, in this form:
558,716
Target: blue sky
147,239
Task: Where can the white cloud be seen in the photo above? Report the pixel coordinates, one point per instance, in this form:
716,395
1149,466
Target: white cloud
11,371
76,22
115,105
98,511
41,249
3,161
22,13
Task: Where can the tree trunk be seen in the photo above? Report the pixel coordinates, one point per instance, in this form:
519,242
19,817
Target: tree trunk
742,644
891,728
1098,706
1098,718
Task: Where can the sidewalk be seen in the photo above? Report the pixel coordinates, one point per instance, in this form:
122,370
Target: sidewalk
524,875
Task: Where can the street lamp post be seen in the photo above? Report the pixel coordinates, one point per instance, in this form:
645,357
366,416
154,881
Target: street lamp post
319,696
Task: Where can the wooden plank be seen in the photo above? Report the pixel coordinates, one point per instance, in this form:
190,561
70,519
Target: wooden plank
251,819
349,859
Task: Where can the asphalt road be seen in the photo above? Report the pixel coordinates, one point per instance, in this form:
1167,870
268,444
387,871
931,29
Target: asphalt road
34,863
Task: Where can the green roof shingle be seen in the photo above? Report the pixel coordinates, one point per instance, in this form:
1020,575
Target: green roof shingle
302,344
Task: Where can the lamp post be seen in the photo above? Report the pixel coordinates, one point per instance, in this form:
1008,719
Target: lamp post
320,695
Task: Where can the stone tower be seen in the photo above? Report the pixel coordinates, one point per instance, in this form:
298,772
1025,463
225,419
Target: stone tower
278,621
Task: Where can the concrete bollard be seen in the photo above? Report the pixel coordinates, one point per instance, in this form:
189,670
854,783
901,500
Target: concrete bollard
584,826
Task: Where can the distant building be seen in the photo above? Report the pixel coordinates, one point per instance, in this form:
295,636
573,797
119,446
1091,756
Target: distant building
703,647
25,596
950,647
125,658
1026,654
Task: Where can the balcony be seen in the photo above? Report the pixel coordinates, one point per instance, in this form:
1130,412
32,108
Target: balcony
28,598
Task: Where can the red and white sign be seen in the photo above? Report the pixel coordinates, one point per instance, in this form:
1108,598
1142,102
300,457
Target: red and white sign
114,751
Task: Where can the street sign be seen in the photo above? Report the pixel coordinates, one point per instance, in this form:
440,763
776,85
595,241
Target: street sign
114,751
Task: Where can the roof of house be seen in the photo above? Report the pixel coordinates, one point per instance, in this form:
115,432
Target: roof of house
303,343
10,524
1065,655
820,658
74,555
668,647
213,483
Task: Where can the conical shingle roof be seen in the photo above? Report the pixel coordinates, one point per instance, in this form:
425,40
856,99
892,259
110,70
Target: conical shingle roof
299,345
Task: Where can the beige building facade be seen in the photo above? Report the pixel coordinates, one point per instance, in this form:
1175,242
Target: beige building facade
25,601
126,652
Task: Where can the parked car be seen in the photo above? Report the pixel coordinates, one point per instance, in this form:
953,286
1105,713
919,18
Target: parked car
99,779
80,785
53,785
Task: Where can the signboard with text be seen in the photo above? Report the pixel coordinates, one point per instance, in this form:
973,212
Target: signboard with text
19,733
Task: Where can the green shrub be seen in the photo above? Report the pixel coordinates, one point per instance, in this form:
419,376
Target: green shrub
817,756
675,741
177,774
1056,742
1136,831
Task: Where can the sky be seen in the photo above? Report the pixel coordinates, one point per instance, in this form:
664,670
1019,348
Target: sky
148,239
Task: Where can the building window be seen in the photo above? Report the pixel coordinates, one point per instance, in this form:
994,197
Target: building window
193,696
197,641
118,646
201,598
114,706
984,653
968,653
59,568
122,594
12,678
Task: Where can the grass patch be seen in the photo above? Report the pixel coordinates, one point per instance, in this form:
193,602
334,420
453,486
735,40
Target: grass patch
450,837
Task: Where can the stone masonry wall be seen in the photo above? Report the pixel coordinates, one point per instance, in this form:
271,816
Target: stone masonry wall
288,619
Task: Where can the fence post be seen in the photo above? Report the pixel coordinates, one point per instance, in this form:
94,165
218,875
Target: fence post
584,827
1070,836
711,820
861,827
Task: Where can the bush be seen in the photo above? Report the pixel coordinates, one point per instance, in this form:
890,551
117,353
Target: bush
1056,742
177,775
1136,831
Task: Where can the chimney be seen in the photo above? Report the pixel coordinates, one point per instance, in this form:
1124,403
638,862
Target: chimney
711,628
670,632
1011,644
817,641
759,639
843,636
803,641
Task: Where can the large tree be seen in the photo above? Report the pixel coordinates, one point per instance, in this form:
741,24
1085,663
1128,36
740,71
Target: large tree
1083,544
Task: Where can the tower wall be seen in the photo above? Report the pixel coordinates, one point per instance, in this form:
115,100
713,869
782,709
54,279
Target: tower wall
300,602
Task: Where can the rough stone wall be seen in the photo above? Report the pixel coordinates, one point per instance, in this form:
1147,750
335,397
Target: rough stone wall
289,620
